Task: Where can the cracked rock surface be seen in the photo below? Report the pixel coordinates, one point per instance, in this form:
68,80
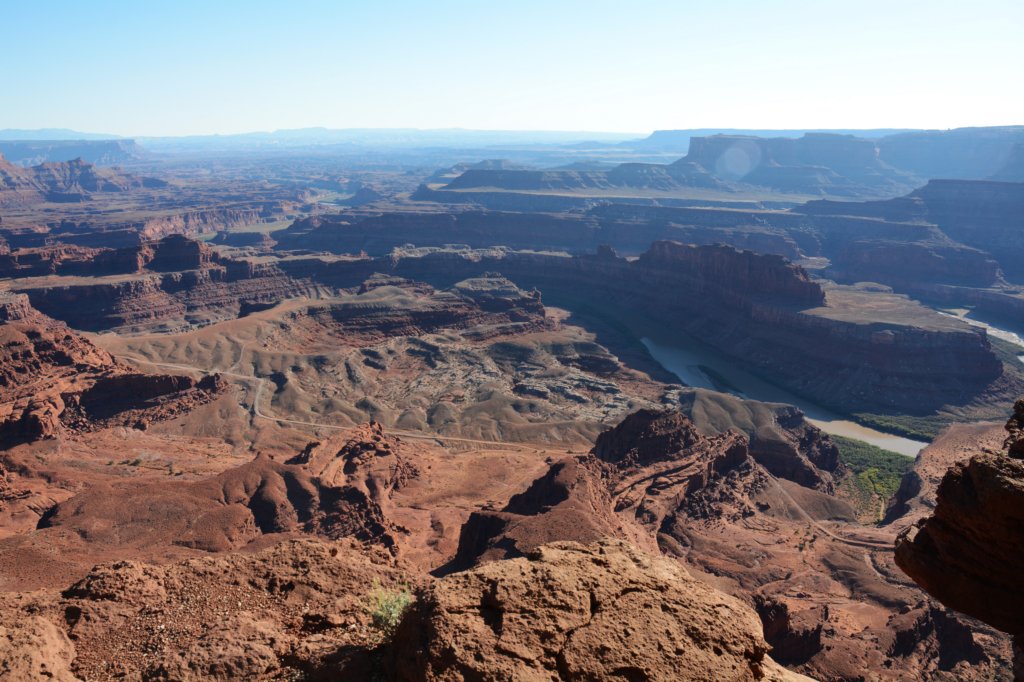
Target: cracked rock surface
604,611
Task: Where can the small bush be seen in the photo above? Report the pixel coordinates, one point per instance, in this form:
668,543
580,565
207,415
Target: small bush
387,608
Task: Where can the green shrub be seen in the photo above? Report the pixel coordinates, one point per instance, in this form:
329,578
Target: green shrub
386,607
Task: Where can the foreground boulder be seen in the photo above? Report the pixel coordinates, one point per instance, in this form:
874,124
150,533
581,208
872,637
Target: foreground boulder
969,552
33,648
603,611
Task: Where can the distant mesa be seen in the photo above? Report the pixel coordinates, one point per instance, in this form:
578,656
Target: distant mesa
961,153
865,164
679,140
65,182
815,164
1013,171
99,152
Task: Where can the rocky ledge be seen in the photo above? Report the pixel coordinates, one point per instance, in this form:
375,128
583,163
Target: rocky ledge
969,551
582,612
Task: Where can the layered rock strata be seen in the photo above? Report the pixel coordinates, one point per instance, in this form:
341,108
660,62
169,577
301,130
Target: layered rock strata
53,380
967,553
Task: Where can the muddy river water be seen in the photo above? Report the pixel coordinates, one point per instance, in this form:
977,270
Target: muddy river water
701,367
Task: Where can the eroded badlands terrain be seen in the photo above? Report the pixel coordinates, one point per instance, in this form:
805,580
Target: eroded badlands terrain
242,415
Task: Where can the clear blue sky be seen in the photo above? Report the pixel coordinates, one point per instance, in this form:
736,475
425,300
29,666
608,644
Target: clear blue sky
223,66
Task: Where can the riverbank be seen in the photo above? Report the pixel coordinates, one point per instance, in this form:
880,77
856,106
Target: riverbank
699,366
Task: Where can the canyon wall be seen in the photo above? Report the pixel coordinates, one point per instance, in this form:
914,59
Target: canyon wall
968,552
54,381
759,309
628,229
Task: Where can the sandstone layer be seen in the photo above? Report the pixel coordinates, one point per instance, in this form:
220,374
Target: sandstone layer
967,552
576,612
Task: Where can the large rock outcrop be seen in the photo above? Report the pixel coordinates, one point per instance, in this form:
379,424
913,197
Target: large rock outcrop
64,181
54,380
650,468
658,482
33,648
296,609
968,552
581,612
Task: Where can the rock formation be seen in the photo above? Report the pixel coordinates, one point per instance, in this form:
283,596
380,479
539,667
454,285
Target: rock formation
334,489
845,347
297,608
53,380
266,605
856,352
981,215
65,181
816,164
658,482
173,282
572,611
967,553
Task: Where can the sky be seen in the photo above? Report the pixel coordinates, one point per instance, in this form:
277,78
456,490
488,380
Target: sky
225,66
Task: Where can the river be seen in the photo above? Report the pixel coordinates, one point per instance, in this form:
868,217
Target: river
990,327
701,367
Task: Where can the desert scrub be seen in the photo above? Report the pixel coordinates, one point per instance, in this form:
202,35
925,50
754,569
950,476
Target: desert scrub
908,426
386,608
874,477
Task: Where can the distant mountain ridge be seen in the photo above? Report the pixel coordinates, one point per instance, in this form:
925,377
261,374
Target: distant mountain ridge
392,138
815,164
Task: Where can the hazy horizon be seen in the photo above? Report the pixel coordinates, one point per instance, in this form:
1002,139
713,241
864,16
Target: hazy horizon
230,68
31,134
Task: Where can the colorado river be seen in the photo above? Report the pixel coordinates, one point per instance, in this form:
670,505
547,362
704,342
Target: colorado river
703,368
992,330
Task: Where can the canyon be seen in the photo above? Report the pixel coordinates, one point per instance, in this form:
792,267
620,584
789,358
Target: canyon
644,410
883,352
